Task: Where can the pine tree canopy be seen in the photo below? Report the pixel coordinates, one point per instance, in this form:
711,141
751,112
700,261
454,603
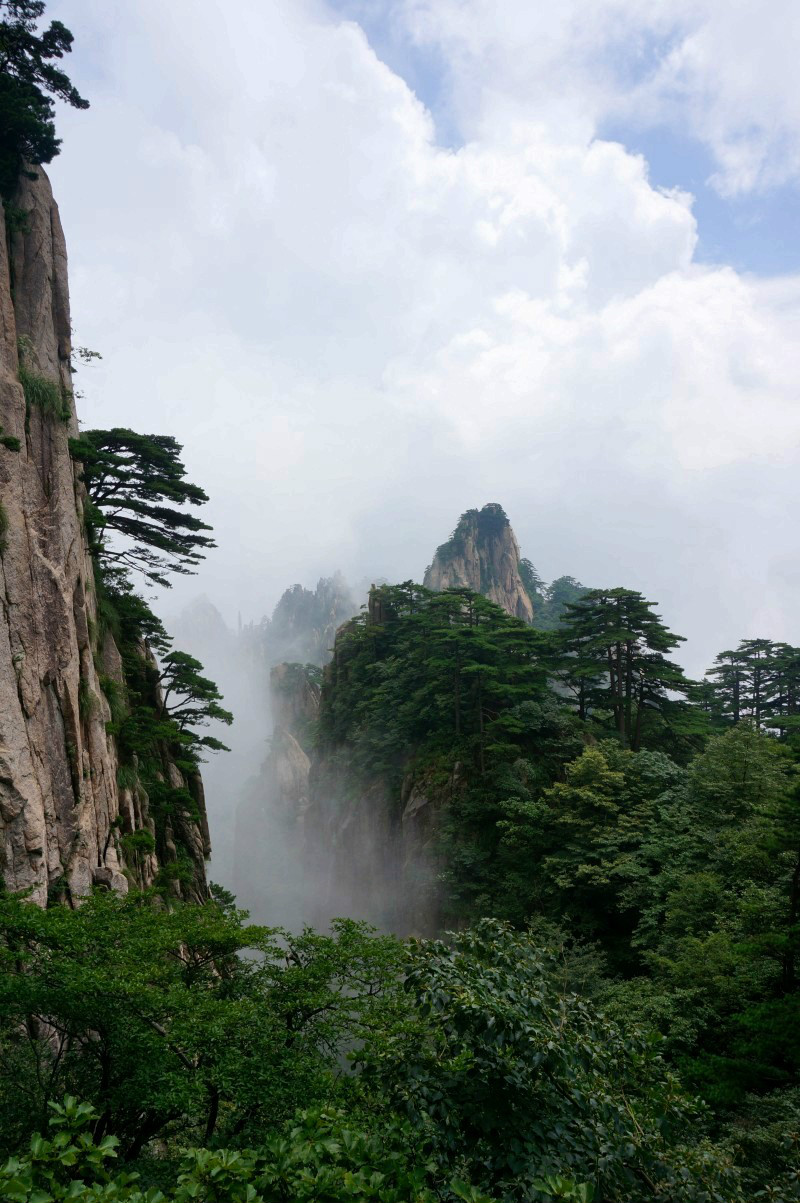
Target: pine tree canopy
614,659
27,75
136,488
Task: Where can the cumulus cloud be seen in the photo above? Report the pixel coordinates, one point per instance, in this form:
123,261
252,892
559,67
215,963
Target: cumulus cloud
723,73
358,332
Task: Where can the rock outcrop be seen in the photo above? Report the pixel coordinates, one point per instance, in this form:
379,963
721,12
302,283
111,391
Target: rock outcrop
63,815
482,554
304,623
269,867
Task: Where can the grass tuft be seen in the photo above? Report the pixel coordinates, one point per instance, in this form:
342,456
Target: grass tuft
45,394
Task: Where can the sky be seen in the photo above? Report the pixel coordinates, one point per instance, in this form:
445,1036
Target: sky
374,262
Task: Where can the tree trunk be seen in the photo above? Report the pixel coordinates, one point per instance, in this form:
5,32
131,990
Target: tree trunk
789,968
628,691
637,736
481,755
619,708
213,1112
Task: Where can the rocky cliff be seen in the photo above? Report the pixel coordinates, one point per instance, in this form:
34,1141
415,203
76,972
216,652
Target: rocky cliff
270,872
66,820
482,554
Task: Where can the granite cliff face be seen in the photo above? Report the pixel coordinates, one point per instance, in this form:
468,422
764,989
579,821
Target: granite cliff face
63,815
482,554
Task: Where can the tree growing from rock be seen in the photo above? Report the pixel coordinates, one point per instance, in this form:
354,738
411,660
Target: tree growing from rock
29,79
190,699
137,489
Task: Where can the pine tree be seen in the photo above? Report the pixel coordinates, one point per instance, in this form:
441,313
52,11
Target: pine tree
135,482
758,681
612,655
729,675
190,699
27,75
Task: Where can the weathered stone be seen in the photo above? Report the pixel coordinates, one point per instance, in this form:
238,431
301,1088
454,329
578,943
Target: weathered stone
482,555
59,798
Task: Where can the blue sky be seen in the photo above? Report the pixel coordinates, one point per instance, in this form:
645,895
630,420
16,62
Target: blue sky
757,232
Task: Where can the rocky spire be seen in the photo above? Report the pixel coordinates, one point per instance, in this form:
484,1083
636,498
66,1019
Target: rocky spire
482,554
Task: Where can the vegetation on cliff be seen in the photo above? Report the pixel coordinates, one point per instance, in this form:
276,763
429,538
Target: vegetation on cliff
622,1029
137,489
135,484
29,79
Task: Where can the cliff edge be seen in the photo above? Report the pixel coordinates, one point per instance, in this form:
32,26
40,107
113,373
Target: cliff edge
64,816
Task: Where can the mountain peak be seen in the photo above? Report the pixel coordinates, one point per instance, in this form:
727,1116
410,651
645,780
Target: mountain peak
482,554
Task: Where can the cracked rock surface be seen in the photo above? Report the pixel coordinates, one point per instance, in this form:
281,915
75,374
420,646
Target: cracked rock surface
59,799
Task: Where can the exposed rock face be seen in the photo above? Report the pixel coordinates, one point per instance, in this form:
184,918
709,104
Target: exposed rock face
269,872
62,818
483,555
370,853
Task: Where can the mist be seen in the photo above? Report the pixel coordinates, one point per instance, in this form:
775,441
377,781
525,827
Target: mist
374,265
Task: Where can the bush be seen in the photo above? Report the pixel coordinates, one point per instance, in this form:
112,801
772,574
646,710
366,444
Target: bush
9,441
516,1082
41,392
319,1157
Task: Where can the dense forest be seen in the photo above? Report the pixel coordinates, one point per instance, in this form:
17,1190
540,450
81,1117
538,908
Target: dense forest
609,1013
621,1027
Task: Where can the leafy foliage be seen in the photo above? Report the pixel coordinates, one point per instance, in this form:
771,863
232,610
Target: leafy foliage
189,699
427,673
479,1078
549,601
43,393
517,1082
613,659
759,681
9,441
156,1018
320,1157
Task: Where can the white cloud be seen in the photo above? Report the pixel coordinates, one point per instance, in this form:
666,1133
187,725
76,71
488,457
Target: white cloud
358,333
725,72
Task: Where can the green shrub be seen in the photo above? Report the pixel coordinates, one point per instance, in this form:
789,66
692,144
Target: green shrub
115,696
44,393
87,699
127,776
9,441
138,841
320,1156
17,219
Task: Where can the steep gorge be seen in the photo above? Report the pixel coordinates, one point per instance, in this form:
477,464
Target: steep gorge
69,818
324,831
